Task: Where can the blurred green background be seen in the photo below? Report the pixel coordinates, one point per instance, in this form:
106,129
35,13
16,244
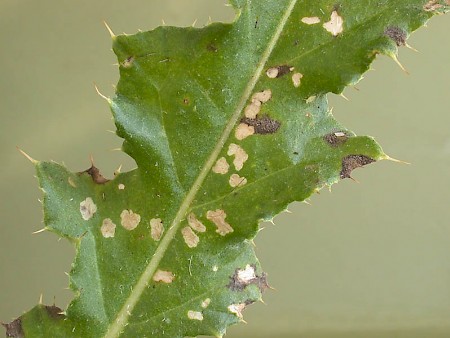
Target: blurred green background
367,260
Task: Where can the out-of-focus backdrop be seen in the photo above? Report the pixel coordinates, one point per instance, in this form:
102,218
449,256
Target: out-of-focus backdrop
367,260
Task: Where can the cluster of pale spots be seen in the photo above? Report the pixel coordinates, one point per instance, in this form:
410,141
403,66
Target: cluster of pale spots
129,219
252,111
195,226
435,5
335,25
239,281
244,130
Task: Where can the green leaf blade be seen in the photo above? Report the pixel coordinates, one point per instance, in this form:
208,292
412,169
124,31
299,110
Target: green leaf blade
166,249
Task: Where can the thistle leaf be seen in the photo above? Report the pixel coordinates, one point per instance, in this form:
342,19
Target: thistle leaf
228,124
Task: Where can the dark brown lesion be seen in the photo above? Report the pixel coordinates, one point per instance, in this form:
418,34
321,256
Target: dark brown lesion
396,34
351,162
263,125
97,177
54,312
236,284
211,47
94,172
336,139
128,62
283,70
14,329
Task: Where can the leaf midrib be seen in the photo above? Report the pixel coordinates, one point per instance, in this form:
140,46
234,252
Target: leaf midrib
121,320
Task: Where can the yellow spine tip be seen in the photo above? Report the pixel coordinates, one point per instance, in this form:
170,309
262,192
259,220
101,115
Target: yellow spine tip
394,57
118,170
344,97
111,33
354,180
28,157
387,157
39,231
411,47
101,95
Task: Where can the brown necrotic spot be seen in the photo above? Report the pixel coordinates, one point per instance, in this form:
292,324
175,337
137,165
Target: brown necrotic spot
237,181
157,228
351,162
243,131
190,237
54,312
433,5
14,329
336,24
279,71
240,155
195,224
336,139
163,276
237,309
247,276
128,62
212,48
129,219
206,303
195,315
297,79
221,166
94,172
108,228
218,218
397,34
87,208
263,125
